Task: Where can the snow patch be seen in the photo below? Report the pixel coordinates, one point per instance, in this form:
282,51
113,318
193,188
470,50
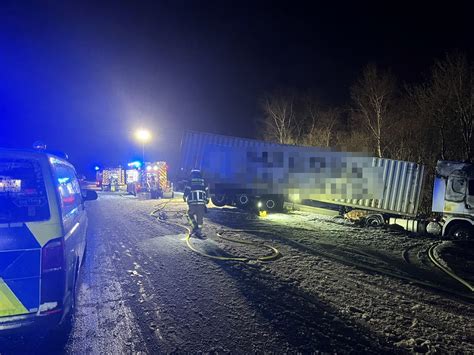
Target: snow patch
47,306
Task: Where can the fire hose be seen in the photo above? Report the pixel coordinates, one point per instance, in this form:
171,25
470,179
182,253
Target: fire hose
435,260
160,214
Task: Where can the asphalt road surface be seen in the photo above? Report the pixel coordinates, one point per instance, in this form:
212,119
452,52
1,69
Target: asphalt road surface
144,291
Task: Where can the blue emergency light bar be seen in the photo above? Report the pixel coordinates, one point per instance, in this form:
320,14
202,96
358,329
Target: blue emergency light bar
135,164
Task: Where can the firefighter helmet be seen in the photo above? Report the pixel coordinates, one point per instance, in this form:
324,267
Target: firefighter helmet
196,174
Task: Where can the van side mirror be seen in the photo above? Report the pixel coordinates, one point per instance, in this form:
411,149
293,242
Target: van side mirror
89,195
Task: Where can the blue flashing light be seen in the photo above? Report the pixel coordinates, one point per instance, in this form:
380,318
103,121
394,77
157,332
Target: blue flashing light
63,180
96,168
135,164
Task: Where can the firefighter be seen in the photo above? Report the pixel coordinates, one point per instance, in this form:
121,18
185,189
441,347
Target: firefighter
196,195
154,187
114,184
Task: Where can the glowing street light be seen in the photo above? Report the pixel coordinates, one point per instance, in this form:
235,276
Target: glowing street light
143,136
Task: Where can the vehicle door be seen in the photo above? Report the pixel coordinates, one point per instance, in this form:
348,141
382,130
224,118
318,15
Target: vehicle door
74,218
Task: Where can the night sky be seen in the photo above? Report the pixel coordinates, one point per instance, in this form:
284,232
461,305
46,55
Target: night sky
81,77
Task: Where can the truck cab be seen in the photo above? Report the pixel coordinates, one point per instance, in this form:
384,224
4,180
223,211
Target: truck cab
453,197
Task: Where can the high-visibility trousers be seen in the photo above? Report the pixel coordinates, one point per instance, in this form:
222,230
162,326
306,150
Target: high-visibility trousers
196,214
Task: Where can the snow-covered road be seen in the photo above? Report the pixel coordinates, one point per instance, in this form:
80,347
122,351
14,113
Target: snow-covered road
144,290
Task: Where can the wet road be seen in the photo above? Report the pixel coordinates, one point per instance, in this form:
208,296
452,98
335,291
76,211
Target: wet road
143,290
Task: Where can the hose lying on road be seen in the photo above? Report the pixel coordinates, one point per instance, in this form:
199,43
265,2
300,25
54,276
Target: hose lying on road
435,259
276,254
158,213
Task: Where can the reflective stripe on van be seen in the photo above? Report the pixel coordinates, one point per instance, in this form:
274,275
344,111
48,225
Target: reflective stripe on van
20,256
10,305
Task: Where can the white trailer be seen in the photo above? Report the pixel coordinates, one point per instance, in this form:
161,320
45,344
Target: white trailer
246,172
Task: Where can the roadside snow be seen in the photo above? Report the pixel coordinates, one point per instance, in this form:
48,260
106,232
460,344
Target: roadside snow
337,288
405,315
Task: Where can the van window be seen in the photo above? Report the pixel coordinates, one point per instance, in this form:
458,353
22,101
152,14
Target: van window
22,191
68,186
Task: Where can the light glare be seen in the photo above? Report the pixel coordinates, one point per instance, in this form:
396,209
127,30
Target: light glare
143,135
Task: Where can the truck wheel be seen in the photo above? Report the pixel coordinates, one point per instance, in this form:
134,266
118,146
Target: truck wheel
270,204
374,220
242,201
273,203
219,200
461,232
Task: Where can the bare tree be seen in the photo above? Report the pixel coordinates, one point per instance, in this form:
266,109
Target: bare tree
352,139
431,107
455,77
374,98
445,105
280,123
321,125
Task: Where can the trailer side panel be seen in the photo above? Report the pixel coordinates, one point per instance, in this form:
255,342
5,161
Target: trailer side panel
238,165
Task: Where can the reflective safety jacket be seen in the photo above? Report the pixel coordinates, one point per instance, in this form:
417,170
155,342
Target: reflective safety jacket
196,193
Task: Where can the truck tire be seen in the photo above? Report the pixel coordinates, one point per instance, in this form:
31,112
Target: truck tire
273,203
242,201
374,220
461,232
219,200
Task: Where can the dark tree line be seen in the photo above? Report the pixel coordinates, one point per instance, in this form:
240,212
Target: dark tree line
422,123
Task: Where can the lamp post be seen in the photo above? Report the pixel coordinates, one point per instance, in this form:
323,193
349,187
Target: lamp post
143,136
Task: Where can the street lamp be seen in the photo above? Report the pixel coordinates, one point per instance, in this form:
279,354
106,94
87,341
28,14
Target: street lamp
143,136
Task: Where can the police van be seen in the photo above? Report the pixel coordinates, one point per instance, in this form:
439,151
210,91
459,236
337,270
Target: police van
43,226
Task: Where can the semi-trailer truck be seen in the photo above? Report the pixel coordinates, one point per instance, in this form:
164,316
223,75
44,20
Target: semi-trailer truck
241,171
246,172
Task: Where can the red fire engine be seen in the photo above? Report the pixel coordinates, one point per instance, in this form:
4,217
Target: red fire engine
150,178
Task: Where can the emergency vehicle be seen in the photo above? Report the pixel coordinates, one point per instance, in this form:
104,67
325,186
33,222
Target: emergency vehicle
149,177
112,179
43,226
